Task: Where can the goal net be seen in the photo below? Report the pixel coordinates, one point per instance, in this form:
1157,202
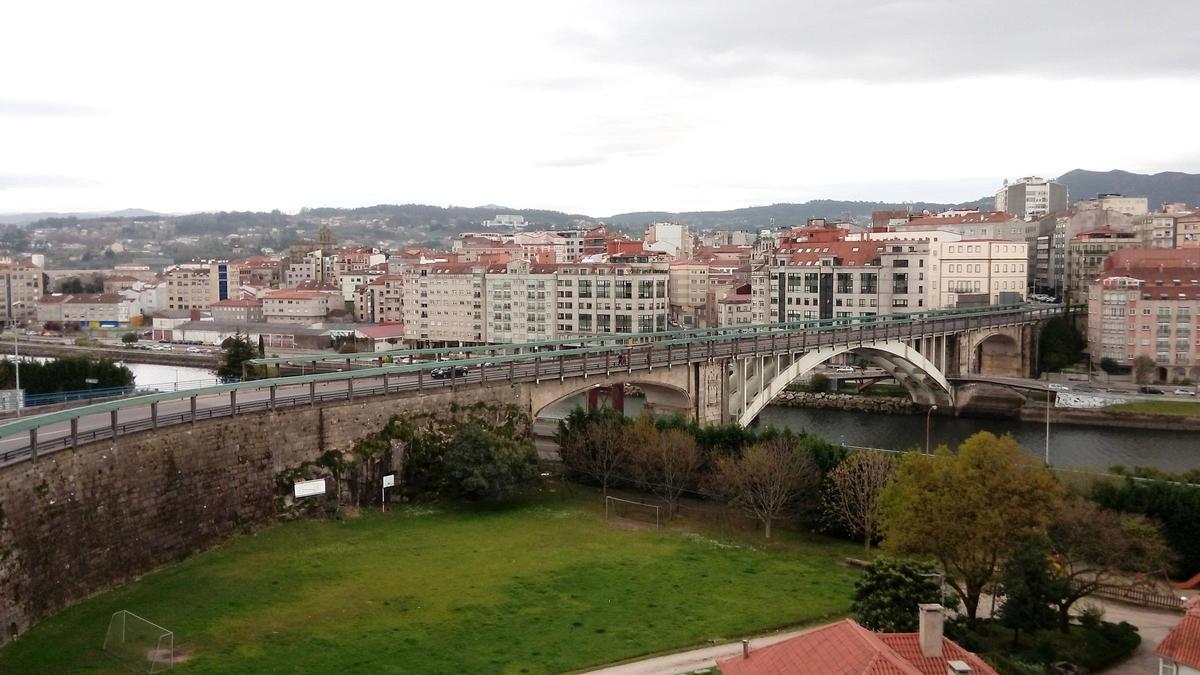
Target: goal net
615,507
143,645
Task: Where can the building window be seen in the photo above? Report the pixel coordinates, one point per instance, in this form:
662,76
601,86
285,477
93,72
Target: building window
624,290
899,285
845,282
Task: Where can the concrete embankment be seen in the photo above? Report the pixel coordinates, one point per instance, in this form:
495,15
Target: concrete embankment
1100,418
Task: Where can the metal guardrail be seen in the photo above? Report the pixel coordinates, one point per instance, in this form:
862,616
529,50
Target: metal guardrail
532,366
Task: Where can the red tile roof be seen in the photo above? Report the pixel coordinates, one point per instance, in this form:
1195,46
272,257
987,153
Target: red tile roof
850,252
382,331
1182,644
846,648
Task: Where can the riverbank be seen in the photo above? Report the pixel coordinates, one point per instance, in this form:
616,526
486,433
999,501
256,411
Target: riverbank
1104,418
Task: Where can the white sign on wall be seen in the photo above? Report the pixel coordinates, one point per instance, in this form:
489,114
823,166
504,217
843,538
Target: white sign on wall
308,488
389,480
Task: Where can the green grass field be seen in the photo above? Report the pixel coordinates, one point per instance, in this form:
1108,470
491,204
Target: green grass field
543,586
1172,408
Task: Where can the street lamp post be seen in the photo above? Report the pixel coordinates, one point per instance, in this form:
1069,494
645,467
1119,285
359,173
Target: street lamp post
16,353
928,413
1047,424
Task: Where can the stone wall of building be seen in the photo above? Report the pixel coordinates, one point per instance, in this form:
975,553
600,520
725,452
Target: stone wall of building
74,523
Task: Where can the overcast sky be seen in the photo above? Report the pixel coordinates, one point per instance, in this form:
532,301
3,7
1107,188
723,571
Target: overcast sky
588,107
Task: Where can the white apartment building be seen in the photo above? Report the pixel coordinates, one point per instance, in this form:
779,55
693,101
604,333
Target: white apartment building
971,225
674,239
1032,197
520,300
1130,206
296,306
973,267
620,296
444,304
734,310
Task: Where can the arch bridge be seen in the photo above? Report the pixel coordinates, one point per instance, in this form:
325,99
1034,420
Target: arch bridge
709,375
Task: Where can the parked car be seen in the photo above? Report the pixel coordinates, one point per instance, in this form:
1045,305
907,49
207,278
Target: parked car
1059,387
845,369
193,350
1184,392
444,373
1149,390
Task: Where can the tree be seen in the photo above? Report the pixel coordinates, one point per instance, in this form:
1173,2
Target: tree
236,350
886,597
262,350
1060,344
968,510
480,464
1143,369
852,492
595,445
767,478
72,285
1109,365
1091,544
669,464
129,338
818,383
1028,590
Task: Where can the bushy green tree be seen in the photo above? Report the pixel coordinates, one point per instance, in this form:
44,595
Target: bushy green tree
1060,344
480,464
1109,365
68,373
886,597
1165,500
129,338
1029,589
236,350
968,509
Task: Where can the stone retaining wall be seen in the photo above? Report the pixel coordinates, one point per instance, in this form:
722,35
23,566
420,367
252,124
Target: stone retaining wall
890,405
77,522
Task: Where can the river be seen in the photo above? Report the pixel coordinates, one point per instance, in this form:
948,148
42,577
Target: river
1073,446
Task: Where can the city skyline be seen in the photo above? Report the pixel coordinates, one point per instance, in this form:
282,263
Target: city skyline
596,108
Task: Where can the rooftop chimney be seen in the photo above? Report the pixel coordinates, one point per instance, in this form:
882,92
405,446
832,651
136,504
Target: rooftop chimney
931,619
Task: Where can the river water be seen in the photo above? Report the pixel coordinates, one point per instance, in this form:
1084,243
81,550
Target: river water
1073,446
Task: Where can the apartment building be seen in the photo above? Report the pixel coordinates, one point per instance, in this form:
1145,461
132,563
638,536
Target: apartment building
687,291
380,300
977,272
237,311
297,306
1156,230
624,295
734,309
1085,257
1032,197
674,239
97,310
1112,201
1146,302
521,302
22,290
196,285
443,304
1187,230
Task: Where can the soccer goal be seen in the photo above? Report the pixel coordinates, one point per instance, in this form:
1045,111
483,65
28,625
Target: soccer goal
626,508
145,646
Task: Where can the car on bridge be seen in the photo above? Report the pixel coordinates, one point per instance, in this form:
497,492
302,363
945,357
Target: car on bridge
1058,387
443,373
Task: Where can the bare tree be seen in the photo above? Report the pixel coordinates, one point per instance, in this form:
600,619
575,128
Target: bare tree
852,494
599,451
766,479
670,464
1143,369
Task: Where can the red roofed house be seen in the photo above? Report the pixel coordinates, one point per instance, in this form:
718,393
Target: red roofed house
1179,652
846,648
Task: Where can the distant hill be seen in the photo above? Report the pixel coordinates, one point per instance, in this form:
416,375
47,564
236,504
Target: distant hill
1168,186
756,217
26,218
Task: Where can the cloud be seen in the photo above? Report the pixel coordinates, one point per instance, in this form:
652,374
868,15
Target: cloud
571,162
28,108
10,181
897,40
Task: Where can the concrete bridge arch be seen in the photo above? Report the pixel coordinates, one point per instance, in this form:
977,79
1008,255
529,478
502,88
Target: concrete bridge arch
760,384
